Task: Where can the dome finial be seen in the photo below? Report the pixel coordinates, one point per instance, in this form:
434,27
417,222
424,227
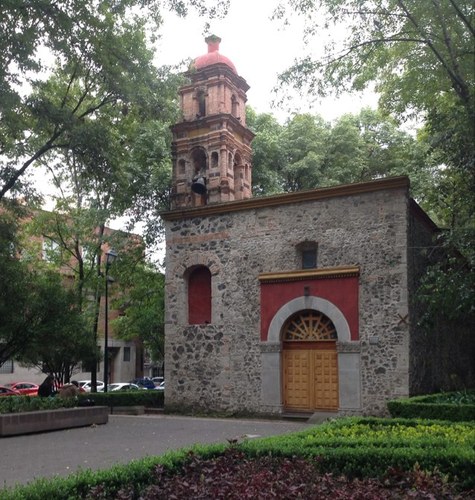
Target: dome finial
213,42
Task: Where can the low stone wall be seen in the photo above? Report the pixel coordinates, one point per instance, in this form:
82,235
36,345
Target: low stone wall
49,420
127,410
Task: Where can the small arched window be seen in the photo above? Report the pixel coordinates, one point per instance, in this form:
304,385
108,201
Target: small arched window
214,159
201,103
181,166
199,296
234,106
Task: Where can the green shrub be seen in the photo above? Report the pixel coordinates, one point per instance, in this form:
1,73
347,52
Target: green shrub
17,404
367,447
356,447
455,406
150,399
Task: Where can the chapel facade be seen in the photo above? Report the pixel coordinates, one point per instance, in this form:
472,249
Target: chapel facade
294,303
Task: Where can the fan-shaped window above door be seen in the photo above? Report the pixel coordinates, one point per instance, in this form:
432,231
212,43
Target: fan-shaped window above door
309,326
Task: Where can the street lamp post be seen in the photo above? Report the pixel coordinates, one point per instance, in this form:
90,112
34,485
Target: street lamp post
110,257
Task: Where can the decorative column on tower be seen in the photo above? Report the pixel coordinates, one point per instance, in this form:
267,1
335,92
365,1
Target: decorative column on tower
211,145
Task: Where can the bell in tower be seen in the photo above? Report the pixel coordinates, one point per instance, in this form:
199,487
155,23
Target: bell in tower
211,145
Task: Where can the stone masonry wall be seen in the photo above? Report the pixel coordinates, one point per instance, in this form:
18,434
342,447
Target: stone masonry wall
217,367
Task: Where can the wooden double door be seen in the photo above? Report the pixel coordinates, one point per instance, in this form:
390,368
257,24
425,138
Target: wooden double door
310,363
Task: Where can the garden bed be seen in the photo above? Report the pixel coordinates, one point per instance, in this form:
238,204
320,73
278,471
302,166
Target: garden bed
12,424
346,458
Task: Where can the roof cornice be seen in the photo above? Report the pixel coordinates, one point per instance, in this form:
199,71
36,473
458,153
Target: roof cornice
288,198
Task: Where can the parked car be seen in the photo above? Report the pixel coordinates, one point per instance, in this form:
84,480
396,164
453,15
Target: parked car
86,385
6,391
123,386
24,388
143,383
161,386
157,380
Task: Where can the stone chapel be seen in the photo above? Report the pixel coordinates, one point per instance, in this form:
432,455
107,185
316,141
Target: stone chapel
293,303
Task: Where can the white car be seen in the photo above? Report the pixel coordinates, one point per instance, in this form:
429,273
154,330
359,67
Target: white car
86,385
123,386
161,386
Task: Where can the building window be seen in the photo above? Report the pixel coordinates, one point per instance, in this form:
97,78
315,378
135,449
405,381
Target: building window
51,250
214,160
7,367
201,103
199,296
308,254
126,353
234,106
309,259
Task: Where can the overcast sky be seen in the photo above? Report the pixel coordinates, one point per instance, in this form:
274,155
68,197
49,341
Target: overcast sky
259,48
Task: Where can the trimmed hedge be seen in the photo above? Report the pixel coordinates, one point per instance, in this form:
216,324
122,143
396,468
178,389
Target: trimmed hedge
368,447
356,447
17,404
455,407
150,399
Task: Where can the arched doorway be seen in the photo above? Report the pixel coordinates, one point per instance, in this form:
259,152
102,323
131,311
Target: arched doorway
309,362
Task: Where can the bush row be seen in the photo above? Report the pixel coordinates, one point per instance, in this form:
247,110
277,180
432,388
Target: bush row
407,445
456,406
368,447
150,399
17,404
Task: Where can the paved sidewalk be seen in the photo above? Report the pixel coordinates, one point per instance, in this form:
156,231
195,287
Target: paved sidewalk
124,438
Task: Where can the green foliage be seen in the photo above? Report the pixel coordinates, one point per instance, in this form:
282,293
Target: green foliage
367,447
45,311
267,153
18,404
356,447
148,398
143,313
448,287
458,397
103,62
14,289
306,153
415,51
455,407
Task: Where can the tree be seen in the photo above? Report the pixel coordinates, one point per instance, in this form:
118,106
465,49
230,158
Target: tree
307,153
415,51
370,145
99,50
304,146
418,54
34,304
143,306
14,290
267,154
58,342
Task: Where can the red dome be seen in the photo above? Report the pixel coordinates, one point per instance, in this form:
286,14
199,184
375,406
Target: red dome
213,56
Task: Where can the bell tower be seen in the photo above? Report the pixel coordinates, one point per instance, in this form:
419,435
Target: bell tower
211,146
